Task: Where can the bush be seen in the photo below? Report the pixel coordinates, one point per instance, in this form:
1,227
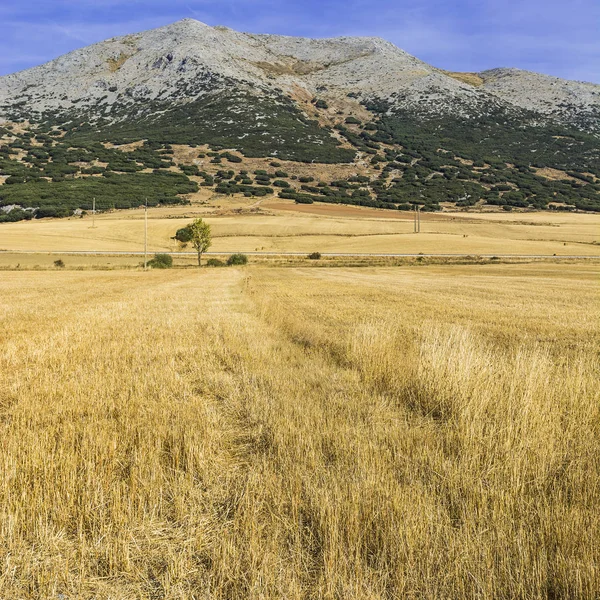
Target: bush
184,235
237,259
161,261
214,262
59,264
190,170
314,256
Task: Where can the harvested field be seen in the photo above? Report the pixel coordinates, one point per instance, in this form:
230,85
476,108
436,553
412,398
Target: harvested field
379,433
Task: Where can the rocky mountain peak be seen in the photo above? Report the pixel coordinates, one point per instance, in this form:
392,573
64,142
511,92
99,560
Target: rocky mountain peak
186,60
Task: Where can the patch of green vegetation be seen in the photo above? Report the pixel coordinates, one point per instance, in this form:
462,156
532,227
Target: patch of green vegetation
111,191
498,136
257,126
161,261
237,260
435,160
418,160
215,262
230,188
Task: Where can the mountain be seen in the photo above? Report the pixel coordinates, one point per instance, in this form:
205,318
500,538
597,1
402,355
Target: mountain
339,100
184,62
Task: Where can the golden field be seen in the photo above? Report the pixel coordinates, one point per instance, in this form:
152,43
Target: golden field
241,225
258,433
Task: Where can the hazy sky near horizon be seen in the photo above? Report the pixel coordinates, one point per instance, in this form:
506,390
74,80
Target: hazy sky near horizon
549,36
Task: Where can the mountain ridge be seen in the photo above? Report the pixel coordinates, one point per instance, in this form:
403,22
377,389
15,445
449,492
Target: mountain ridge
369,65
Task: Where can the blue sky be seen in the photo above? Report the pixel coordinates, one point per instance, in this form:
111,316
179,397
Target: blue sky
549,36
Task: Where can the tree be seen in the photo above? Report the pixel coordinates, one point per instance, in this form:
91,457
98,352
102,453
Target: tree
200,237
184,235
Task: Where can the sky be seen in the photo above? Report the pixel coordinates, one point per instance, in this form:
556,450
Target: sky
555,37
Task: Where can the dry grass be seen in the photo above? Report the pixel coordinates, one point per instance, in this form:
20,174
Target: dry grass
287,231
473,79
300,433
553,174
115,63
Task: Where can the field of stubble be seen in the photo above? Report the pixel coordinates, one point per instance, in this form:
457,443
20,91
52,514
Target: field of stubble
264,433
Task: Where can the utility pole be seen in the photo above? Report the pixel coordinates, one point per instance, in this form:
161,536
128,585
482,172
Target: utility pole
419,218
94,213
415,218
146,236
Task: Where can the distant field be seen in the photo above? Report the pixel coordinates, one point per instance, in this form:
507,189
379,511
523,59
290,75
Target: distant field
280,227
266,433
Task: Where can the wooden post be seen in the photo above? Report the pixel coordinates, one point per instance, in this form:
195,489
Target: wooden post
146,236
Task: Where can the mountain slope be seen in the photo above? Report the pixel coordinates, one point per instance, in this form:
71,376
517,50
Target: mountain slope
426,135
571,102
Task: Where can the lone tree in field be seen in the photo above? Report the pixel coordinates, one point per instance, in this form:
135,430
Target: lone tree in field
199,236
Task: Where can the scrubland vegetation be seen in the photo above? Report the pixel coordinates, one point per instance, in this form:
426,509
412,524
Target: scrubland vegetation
396,162
248,432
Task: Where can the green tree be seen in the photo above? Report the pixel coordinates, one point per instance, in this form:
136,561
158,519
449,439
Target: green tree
200,237
184,235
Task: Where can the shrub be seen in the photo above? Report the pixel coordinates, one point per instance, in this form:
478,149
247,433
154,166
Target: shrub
184,235
190,170
237,259
161,261
214,262
59,264
314,255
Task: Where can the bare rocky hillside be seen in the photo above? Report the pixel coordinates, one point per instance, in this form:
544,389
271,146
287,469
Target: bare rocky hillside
188,59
